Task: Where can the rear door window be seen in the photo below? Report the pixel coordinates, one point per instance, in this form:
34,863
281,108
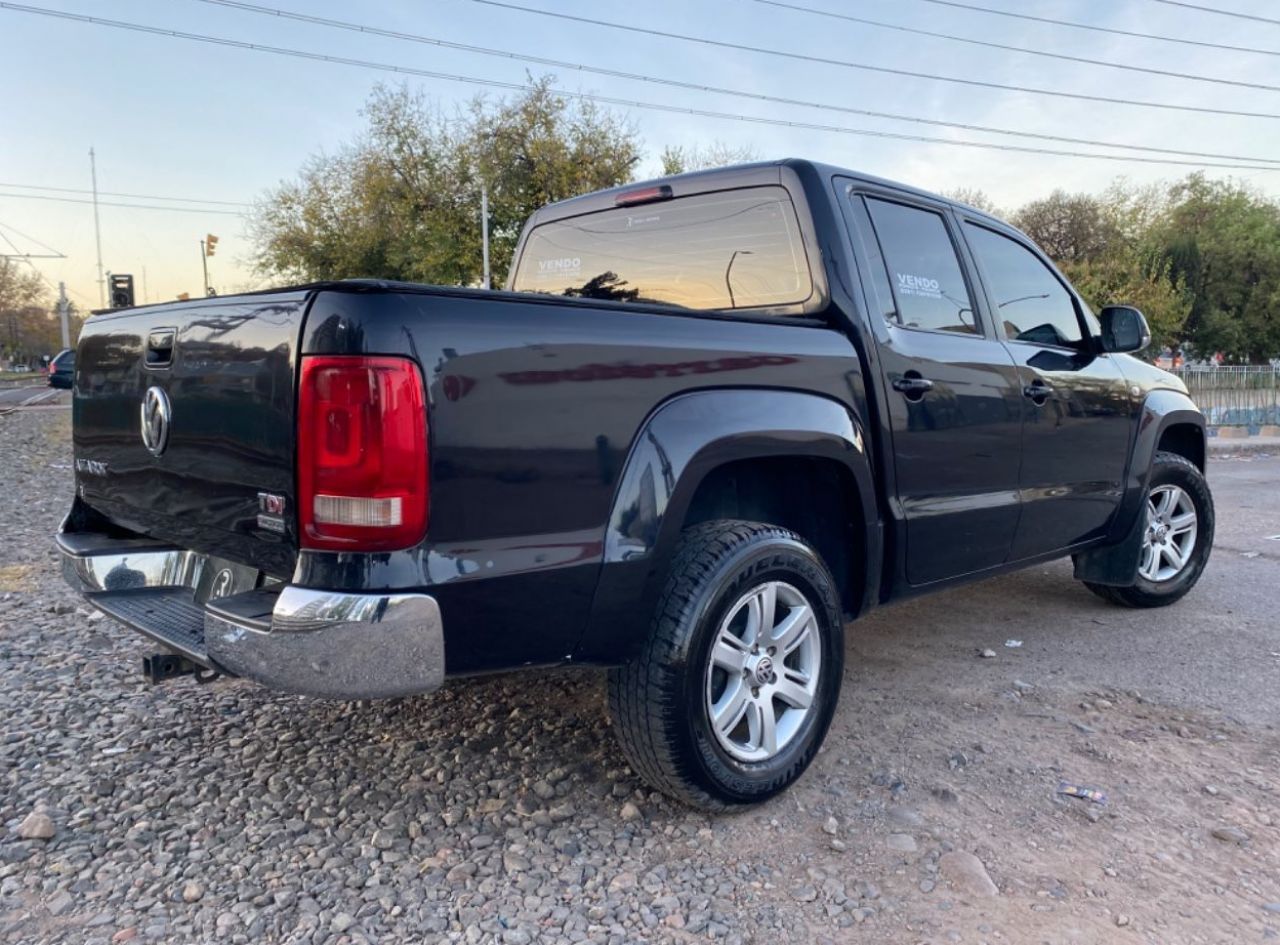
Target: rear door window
728,250
928,284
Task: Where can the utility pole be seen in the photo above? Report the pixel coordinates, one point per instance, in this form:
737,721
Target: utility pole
97,229
145,296
484,230
204,263
64,313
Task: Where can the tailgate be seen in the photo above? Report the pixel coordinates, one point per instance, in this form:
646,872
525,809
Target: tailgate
184,424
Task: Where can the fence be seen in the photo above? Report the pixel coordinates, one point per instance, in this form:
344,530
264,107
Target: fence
1244,396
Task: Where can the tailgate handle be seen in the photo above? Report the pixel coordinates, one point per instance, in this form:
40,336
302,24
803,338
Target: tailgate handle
160,347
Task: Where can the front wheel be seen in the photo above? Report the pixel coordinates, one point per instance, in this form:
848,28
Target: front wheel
731,696
1177,536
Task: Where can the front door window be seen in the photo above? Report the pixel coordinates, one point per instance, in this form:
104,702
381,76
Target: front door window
1030,303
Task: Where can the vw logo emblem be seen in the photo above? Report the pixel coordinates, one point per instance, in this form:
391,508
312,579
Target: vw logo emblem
221,585
764,672
155,420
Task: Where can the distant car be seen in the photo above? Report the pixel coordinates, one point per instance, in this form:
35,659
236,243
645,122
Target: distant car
62,369
20,368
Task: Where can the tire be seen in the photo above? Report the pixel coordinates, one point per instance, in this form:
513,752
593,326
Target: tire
662,701
1159,582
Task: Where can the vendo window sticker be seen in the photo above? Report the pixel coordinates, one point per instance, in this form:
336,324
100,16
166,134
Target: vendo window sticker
559,266
918,285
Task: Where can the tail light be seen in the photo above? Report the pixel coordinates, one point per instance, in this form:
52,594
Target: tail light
362,454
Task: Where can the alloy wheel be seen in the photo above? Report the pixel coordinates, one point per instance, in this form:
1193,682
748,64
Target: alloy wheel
1170,536
762,675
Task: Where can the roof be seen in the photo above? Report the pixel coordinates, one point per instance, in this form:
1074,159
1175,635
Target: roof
737,175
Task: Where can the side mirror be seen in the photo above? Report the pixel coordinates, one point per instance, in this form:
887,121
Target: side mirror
1124,328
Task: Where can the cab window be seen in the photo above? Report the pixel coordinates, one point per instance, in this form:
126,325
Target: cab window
731,249
1029,301
925,277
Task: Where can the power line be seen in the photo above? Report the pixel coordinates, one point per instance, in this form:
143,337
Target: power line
17,252
1234,13
1018,49
108,193
140,206
26,259
1101,29
602,99
29,239
850,64
34,267
700,87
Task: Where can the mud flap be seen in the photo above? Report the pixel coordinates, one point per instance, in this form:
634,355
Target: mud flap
1113,565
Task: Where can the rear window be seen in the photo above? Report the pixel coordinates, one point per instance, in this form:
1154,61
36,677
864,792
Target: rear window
727,250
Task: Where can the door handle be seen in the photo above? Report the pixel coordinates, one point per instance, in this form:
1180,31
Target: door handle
913,387
1038,391
160,347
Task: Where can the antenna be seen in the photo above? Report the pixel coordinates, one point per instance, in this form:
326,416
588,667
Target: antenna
97,229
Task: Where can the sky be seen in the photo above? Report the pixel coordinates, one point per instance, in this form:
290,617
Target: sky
169,117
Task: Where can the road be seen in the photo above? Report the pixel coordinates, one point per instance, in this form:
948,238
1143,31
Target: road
29,394
500,810
1217,649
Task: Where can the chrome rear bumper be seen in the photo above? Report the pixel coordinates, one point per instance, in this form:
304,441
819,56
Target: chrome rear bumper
322,643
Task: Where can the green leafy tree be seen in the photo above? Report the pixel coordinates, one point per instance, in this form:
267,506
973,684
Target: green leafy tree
540,148
1222,239
1128,277
403,201
1103,245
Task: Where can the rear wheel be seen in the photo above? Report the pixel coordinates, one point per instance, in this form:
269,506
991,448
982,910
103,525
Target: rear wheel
733,691
1177,536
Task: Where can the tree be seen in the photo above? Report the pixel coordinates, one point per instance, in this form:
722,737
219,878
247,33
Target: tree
403,200
1103,245
24,313
540,148
681,160
1223,240
1128,277
20,286
976,198
1069,227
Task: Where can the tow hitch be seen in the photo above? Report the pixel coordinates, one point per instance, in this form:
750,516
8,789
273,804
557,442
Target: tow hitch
161,667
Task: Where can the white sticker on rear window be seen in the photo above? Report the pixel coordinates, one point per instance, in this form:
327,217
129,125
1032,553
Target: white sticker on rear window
918,285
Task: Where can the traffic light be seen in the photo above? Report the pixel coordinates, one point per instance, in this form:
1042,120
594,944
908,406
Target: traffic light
210,244
121,291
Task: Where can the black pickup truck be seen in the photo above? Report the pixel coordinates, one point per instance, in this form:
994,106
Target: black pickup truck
713,418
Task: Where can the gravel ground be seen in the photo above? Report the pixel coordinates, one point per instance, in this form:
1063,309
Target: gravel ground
500,810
